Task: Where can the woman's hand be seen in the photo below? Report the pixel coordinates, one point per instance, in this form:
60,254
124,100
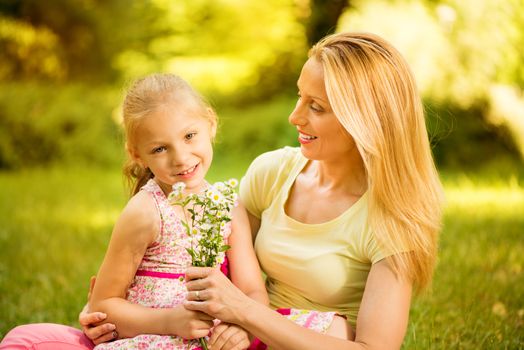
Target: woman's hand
90,322
210,291
229,337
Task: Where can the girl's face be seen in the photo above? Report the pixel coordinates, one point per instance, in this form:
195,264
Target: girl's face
175,144
320,134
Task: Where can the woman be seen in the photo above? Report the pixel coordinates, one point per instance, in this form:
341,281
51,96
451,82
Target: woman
348,222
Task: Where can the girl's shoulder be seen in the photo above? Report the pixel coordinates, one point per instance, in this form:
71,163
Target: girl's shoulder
141,214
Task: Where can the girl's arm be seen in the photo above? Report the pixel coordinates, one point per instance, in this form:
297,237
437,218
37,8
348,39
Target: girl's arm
243,264
136,228
381,322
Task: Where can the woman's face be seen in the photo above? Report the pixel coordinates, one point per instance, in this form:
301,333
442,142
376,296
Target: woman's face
320,134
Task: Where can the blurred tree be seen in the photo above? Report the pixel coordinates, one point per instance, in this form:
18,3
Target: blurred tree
467,57
77,39
323,18
237,51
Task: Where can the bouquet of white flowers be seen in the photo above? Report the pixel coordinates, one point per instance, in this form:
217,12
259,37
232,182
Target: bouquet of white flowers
206,214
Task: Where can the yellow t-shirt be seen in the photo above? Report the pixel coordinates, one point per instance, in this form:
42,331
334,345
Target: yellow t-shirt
320,267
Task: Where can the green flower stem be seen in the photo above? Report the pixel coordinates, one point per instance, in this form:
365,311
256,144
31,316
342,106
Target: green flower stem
203,343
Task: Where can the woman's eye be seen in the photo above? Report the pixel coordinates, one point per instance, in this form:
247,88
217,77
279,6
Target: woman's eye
190,135
315,108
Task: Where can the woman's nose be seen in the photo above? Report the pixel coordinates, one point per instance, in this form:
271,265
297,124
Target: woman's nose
297,115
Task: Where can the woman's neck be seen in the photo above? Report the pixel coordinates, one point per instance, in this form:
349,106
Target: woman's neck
347,175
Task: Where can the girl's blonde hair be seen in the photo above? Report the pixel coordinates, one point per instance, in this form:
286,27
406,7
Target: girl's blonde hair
144,97
374,96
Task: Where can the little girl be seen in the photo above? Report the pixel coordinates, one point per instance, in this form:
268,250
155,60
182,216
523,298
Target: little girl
140,284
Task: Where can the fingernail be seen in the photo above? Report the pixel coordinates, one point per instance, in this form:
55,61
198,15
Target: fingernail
102,315
115,334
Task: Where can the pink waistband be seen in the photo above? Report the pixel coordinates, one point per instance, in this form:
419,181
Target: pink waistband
160,274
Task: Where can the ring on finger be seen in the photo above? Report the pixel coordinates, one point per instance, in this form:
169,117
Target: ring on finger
197,295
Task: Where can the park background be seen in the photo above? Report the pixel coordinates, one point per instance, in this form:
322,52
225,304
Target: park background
64,65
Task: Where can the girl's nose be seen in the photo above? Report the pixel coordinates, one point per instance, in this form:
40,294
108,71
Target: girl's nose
179,156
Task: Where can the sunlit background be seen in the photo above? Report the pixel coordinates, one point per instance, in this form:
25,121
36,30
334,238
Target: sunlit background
64,65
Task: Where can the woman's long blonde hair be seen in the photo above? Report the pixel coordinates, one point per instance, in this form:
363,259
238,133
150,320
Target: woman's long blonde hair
144,97
374,96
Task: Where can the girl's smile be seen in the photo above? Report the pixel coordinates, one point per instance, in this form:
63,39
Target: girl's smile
186,174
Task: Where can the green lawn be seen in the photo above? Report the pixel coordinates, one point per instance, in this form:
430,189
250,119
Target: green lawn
55,224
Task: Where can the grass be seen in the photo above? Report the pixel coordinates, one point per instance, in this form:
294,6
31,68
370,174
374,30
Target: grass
55,224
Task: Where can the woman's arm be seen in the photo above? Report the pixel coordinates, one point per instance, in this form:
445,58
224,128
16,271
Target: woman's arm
254,224
136,228
246,275
102,333
243,264
381,323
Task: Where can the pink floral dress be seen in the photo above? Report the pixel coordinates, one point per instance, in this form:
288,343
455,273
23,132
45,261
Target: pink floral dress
159,280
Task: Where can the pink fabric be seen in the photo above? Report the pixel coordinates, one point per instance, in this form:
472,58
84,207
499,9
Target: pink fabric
225,267
257,344
160,274
284,312
45,336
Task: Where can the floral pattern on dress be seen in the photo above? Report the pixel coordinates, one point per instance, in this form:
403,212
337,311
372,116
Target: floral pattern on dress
314,320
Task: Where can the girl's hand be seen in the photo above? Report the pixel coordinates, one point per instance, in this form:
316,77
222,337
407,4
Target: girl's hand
210,291
229,337
90,322
190,324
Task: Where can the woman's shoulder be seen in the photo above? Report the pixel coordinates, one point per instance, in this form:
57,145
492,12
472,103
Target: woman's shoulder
275,160
265,177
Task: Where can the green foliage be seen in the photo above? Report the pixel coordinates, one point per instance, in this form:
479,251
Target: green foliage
72,40
52,240
466,56
55,229
246,133
41,123
264,52
475,302
27,51
464,137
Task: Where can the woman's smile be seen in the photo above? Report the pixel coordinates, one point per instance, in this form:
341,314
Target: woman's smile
304,138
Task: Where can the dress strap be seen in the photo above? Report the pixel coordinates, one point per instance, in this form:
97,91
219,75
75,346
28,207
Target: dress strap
158,197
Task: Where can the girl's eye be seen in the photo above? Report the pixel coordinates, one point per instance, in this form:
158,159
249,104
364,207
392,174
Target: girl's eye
159,149
190,135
